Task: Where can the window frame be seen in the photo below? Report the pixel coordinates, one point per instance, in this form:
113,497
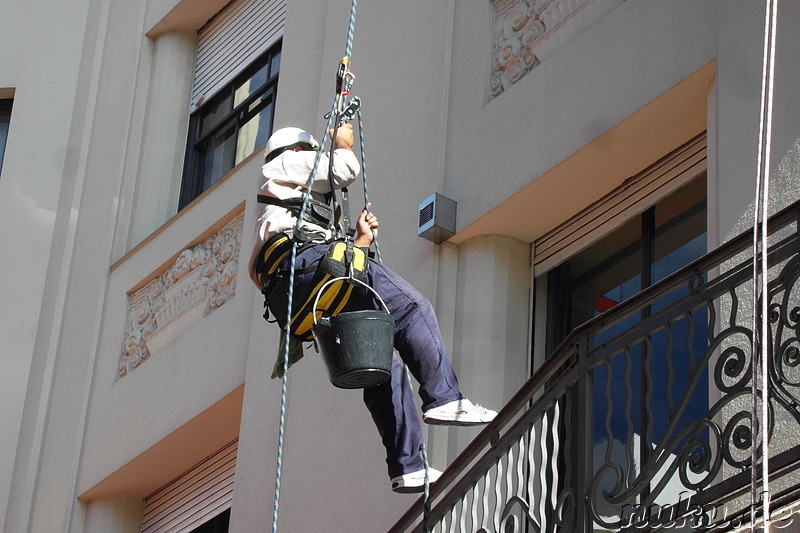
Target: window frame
197,158
6,105
559,326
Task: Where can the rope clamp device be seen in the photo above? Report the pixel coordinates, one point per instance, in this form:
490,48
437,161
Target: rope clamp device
344,77
348,112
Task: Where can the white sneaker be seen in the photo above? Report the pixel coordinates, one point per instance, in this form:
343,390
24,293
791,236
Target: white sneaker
459,413
414,481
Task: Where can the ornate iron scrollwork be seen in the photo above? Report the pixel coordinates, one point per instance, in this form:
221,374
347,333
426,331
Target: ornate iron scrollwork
700,450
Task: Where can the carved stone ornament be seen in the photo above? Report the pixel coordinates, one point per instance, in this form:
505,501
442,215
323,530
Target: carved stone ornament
201,280
519,29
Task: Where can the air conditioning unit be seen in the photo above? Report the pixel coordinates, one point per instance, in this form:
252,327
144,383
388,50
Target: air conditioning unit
437,218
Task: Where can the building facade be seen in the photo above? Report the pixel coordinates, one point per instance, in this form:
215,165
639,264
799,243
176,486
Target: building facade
593,147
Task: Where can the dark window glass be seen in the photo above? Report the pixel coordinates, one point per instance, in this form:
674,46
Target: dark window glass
635,391
643,251
218,524
231,126
5,120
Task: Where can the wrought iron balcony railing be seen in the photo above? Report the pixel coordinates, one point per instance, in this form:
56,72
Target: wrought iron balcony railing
641,419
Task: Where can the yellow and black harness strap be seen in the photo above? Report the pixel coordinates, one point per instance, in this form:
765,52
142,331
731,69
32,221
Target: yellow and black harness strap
273,253
332,301
333,265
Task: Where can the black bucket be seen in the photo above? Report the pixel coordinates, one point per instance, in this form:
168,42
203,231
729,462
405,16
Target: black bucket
356,347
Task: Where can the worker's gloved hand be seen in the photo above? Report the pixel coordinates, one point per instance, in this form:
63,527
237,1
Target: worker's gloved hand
295,353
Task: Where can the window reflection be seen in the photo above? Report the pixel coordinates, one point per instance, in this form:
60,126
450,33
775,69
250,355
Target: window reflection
219,157
251,85
231,125
253,134
635,391
5,120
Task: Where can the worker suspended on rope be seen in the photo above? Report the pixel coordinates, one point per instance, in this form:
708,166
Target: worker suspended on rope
289,158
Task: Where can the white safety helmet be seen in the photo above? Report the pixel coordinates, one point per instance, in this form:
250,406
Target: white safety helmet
286,137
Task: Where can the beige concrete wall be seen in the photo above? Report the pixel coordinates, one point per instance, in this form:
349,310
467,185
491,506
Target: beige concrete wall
333,456
600,77
623,91
115,513
738,98
490,348
45,83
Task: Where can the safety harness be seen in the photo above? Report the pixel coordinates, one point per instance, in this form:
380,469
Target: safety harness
341,255
342,259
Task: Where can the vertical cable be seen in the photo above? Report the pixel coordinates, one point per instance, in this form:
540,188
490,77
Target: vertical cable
423,449
351,29
760,349
284,382
364,177
287,329
306,196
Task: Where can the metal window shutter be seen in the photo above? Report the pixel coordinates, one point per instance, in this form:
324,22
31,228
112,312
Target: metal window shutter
632,198
231,40
195,497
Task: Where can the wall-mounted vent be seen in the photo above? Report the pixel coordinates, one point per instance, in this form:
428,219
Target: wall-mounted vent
437,218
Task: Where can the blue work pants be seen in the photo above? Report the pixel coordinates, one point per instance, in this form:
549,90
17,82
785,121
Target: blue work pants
418,342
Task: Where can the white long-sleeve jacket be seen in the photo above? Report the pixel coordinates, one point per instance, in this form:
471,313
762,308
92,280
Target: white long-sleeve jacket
285,177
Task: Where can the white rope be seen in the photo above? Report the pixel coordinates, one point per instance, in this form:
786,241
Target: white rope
760,350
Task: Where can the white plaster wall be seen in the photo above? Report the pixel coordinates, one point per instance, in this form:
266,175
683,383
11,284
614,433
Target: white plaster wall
76,427
47,462
490,352
738,99
119,514
164,141
422,69
334,473
45,78
614,67
187,375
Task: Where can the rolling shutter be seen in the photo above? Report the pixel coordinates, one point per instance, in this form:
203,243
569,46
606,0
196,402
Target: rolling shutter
195,497
630,199
231,40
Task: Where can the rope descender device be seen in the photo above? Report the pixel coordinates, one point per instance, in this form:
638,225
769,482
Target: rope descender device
344,110
344,77
347,114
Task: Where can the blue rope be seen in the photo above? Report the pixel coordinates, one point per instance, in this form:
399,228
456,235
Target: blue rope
423,450
287,328
364,178
351,28
284,381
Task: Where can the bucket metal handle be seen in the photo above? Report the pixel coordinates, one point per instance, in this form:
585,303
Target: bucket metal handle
322,289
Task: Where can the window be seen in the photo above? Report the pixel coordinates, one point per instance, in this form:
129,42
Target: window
218,524
198,500
643,251
231,125
631,395
5,120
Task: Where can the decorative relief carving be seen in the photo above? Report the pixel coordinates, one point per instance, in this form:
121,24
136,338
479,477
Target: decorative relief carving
518,28
200,281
